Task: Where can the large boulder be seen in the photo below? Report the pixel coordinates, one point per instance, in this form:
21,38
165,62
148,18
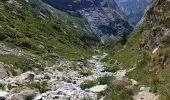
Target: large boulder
3,70
3,73
24,95
98,88
3,95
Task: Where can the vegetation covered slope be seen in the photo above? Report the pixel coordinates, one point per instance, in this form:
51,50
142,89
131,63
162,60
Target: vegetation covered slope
103,17
148,49
27,38
22,26
77,23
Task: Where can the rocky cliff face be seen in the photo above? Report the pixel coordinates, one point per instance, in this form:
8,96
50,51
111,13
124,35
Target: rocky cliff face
148,49
156,39
134,9
103,16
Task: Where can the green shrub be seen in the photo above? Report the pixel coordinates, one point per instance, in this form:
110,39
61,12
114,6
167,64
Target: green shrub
117,92
25,44
111,68
2,86
59,68
105,80
31,77
2,36
46,76
41,86
85,73
2,18
100,81
88,84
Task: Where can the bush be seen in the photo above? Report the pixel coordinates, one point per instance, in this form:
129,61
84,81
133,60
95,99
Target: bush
101,80
85,73
111,68
25,44
2,86
117,92
41,86
88,84
2,36
31,76
2,18
105,80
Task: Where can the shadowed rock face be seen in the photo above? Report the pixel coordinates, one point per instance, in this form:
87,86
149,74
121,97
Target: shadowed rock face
103,16
71,6
134,9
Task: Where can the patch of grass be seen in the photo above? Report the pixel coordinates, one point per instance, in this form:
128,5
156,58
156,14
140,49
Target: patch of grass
2,86
59,69
142,73
27,29
100,81
129,55
85,72
74,66
17,62
41,86
111,68
159,82
88,84
21,63
31,77
105,80
117,92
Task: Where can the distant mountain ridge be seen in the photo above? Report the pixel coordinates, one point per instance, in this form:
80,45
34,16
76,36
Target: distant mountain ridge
103,16
134,9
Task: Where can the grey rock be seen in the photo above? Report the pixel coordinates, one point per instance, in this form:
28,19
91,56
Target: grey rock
103,17
3,95
24,95
98,88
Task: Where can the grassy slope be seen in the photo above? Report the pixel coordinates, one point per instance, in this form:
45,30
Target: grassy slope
23,28
59,15
144,60
78,23
130,53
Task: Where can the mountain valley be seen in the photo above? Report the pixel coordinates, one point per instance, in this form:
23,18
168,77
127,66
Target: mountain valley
84,50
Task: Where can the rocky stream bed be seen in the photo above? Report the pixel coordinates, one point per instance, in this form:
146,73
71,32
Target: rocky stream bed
64,85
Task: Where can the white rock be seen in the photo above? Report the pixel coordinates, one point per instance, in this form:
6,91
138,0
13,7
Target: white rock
145,89
39,97
98,88
102,98
4,94
120,74
134,82
155,50
13,2
143,95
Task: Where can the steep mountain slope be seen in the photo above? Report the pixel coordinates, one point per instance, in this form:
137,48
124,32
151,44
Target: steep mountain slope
103,16
24,28
148,49
134,9
44,57
78,24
